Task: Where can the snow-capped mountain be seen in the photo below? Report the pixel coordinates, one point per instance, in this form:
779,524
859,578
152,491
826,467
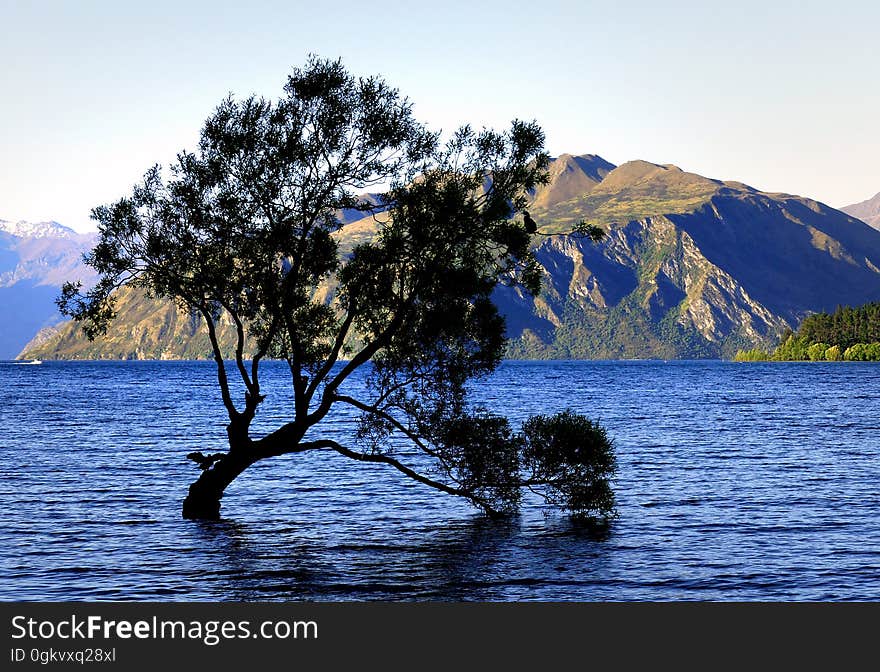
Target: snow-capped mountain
36,258
23,229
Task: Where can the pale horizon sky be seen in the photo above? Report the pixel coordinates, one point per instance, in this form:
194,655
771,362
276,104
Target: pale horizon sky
782,97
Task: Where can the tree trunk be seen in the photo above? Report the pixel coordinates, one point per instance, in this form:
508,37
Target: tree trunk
203,500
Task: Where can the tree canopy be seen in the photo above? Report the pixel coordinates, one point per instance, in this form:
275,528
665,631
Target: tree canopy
245,229
849,333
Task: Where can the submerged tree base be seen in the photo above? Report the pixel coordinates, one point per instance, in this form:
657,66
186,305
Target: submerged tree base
196,508
202,502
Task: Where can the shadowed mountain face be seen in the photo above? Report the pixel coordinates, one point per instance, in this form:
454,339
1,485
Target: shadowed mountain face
691,267
35,260
868,211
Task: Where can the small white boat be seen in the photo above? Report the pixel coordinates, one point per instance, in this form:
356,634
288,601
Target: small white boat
33,361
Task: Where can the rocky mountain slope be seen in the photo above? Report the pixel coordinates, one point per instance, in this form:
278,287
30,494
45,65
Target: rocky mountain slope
691,267
144,329
35,259
868,211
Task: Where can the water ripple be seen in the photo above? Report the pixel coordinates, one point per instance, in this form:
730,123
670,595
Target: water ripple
736,482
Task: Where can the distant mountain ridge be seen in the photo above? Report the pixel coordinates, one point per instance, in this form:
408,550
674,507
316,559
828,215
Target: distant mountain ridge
23,229
691,267
36,258
570,177
868,211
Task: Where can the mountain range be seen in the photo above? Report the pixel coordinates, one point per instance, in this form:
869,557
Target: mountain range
690,267
868,211
35,260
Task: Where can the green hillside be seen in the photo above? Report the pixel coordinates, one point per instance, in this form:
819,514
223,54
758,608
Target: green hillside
143,329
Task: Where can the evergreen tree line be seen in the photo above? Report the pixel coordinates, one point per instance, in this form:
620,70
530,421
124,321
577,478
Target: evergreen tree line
845,327
847,334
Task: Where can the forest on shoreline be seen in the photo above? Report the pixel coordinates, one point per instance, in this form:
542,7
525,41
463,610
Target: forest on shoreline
848,334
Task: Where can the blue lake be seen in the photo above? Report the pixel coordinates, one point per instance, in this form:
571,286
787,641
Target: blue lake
735,482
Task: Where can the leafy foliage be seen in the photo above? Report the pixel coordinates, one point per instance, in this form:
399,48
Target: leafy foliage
834,354
571,461
816,352
850,334
482,454
863,352
753,355
845,327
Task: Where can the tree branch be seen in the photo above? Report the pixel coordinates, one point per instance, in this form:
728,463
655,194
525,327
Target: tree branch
412,436
333,357
221,368
239,351
386,459
368,350
294,363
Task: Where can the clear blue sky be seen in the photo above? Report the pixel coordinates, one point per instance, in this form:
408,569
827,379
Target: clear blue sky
781,95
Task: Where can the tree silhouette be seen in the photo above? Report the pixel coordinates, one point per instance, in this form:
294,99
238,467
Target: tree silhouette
245,229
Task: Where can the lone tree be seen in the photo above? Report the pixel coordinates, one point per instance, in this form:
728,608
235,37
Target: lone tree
243,230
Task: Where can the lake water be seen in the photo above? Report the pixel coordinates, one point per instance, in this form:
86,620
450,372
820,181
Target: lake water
736,482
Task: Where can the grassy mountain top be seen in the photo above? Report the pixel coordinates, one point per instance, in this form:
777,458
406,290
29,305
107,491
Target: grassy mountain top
634,190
